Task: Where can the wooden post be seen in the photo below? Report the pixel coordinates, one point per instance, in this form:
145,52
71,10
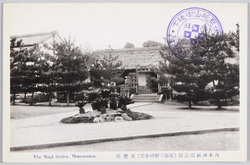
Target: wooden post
57,96
14,98
32,98
159,86
67,97
137,79
25,95
50,98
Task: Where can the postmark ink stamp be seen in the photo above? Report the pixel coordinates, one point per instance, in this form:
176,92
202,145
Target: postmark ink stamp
188,26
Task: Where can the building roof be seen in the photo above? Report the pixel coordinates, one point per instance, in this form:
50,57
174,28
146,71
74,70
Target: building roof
134,57
37,38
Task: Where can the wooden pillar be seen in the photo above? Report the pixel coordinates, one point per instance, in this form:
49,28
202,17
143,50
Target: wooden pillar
137,79
159,86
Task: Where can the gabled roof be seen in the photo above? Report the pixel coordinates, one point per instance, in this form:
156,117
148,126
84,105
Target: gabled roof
32,39
134,57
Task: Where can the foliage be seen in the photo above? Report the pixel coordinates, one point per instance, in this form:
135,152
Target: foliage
150,82
193,79
222,68
41,98
124,101
166,55
33,70
151,43
100,104
26,69
104,72
129,45
99,99
80,105
92,96
132,90
113,101
105,93
69,68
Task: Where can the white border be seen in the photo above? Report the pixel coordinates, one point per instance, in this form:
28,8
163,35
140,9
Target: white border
230,156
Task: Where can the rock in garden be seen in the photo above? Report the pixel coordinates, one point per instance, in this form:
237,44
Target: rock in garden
120,111
104,116
73,119
96,117
91,119
109,118
83,115
84,119
96,120
101,119
119,118
126,117
115,114
138,115
68,120
94,113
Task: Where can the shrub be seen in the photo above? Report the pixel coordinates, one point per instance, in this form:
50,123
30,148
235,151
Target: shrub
204,103
41,98
132,91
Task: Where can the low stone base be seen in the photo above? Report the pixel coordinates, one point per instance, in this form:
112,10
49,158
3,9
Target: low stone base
138,115
111,115
73,119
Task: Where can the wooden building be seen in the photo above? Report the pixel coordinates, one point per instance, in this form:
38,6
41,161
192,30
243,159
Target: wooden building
39,40
140,67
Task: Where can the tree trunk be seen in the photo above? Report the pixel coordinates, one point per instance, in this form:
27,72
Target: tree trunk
103,109
50,98
57,96
218,104
171,93
14,99
94,106
32,98
113,104
67,97
124,107
189,104
81,110
25,95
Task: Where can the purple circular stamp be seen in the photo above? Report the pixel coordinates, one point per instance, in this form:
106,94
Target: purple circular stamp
188,26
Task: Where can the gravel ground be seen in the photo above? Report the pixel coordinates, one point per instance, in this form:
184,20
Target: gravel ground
220,141
25,111
22,112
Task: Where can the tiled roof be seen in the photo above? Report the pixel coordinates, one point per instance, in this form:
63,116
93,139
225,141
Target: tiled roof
133,57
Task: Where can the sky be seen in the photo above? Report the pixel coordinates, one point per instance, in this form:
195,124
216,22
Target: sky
96,26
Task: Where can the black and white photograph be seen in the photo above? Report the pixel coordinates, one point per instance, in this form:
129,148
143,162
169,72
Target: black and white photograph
124,82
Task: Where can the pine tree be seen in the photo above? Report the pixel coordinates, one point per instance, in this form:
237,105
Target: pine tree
107,70
213,60
69,69
185,78
25,69
129,45
222,66
17,62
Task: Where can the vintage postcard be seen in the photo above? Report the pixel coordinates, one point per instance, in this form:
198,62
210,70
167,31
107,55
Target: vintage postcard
125,82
